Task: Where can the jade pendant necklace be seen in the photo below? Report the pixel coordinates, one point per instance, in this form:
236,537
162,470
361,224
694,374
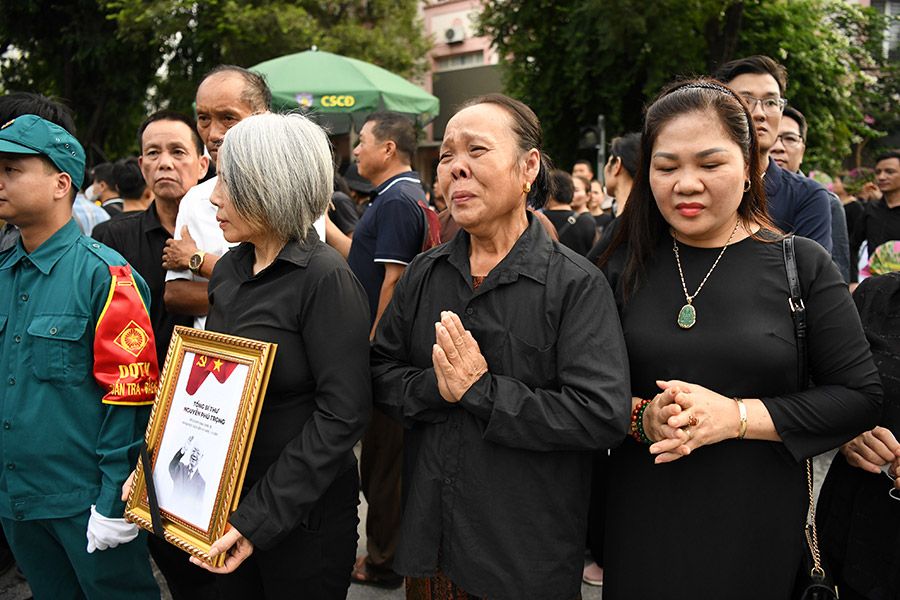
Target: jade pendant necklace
687,316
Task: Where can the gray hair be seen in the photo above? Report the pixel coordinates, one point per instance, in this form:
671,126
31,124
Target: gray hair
278,172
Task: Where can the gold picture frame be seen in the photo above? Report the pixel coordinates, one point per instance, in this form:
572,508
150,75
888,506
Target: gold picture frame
201,427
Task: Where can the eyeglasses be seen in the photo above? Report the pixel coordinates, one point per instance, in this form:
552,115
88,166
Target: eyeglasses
791,140
770,106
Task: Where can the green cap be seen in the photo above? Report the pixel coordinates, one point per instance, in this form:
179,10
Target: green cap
30,134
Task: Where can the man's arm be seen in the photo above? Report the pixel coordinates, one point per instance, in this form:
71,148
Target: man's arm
392,274
336,238
177,255
813,217
184,297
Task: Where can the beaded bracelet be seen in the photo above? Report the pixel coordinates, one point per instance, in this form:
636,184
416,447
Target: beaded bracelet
637,422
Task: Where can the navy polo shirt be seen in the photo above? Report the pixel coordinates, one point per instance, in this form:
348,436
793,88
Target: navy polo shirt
798,205
390,231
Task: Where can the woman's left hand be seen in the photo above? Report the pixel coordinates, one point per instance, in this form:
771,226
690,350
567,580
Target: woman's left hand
237,547
458,362
706,417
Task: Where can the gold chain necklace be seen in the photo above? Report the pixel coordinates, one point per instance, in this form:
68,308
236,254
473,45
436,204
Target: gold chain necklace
687,316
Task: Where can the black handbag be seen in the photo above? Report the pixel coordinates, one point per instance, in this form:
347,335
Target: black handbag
812,583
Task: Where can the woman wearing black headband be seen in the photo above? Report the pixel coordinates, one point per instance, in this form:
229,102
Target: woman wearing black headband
699,275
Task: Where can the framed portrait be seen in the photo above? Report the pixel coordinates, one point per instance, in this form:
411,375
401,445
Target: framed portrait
199,437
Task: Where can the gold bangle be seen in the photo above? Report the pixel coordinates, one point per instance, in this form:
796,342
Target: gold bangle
743,410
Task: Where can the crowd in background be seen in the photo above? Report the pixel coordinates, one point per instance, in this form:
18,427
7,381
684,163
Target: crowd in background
538,363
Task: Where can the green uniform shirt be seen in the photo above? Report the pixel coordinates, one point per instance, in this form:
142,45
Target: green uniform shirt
61,448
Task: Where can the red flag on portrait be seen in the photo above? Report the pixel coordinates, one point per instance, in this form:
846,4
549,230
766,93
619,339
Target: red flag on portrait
204,365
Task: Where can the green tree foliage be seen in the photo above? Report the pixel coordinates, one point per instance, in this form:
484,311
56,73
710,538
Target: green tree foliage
572,61
71,50
113,61
195,36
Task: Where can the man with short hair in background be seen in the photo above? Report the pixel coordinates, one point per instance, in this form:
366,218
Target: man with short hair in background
796,204
583,168
880,218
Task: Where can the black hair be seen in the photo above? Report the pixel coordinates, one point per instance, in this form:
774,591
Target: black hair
16,104
256,93
171,115
104,172
582,161
627,148
756,64
394,127
129,179
796,115
887,156
642,224
563,187
527,129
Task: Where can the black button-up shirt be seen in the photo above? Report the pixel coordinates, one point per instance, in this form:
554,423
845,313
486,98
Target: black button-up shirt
140,238
319,396
496,487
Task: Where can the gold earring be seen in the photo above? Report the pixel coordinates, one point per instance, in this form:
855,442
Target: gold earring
747,187
527,187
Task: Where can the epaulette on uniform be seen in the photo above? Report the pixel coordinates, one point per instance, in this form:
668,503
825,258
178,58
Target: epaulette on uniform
107,255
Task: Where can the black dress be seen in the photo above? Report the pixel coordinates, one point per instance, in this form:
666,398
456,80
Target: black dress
726,522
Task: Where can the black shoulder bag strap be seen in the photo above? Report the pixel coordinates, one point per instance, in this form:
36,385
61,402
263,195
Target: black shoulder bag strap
815,585
798,310
155,518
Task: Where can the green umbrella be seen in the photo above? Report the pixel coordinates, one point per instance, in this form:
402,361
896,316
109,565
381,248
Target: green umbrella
329,85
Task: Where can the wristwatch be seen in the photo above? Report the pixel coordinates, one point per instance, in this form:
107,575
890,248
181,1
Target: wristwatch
196,261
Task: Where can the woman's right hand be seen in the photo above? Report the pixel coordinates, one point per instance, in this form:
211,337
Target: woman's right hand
872,449
656,416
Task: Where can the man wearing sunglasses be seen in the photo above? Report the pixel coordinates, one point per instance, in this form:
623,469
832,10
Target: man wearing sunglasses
797,204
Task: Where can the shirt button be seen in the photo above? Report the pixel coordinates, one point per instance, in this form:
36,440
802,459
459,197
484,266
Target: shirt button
470,311
6,424
11,466
19,516
24,297
12,381
448,481
18,339
95,245
53,330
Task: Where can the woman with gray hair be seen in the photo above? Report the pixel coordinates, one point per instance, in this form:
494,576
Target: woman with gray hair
294,531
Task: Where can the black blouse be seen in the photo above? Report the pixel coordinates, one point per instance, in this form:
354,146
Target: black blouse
319,394
496,487
732,511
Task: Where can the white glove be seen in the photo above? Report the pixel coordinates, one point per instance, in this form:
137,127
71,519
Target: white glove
104,532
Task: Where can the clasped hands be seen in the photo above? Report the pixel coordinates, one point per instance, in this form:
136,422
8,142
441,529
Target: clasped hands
457,359
874,450
684,417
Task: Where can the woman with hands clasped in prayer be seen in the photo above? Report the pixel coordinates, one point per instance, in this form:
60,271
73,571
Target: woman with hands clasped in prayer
502,355
709,499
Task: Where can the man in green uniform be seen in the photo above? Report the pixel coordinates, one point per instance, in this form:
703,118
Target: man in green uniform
77,373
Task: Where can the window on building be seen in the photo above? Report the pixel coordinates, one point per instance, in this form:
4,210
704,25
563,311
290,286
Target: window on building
459,61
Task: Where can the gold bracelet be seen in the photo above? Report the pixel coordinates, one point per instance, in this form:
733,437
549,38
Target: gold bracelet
743,410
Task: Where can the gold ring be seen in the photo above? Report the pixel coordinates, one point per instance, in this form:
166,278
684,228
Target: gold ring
687,432
693,421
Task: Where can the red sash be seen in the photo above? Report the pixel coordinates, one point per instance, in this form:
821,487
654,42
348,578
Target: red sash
124,351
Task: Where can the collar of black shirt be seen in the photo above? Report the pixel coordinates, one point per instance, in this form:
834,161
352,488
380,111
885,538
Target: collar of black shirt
529,256
295,252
